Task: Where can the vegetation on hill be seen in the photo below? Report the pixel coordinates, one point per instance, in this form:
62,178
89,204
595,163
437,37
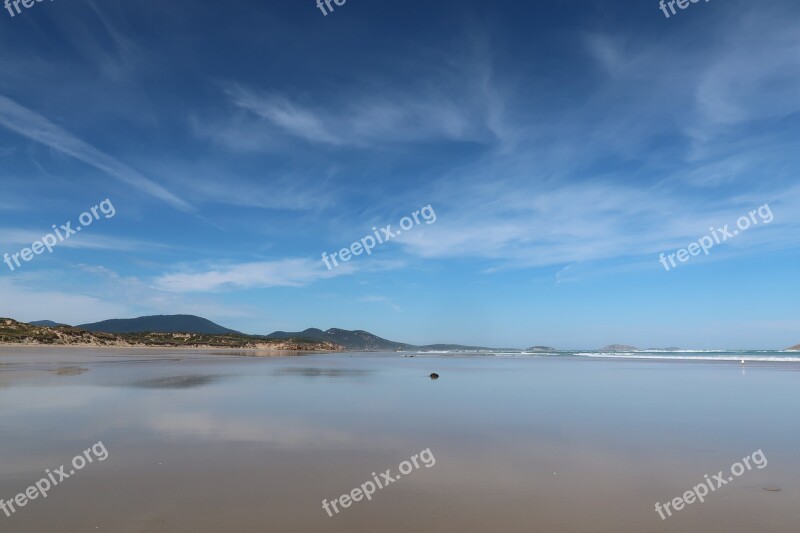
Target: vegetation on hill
159,324
360,340
13,332
195,331
352,340
49,323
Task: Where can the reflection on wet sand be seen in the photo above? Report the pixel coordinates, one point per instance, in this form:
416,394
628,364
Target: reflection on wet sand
69,371
208,442
176,382
311,372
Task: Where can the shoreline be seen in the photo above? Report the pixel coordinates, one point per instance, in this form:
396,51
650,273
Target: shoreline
10,349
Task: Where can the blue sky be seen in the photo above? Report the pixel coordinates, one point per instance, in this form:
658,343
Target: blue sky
563,145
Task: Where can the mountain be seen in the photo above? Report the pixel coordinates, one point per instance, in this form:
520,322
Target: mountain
459,347
159,324
352,340
13,332
310,333
618,348
152,326
48,323
360,340
794,348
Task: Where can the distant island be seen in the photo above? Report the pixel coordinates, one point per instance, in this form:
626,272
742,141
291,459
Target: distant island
795,348
618,348
541,349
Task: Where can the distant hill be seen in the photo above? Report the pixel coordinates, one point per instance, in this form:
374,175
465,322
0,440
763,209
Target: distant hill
796,348
618,348
17,333
541,349
48,323
355,340
455,347
352,340
159,324
360,340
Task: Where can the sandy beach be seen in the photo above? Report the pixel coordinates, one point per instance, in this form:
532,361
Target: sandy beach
203,441
395,267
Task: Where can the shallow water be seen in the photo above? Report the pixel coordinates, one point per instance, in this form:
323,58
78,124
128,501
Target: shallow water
209,442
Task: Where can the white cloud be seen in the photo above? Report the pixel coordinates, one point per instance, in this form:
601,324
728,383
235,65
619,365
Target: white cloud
281,273
515,223
83,240
34,304
461,106
392,118
376,298
754,75
37,128
284,114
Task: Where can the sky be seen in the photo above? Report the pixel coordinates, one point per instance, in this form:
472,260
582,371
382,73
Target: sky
557,148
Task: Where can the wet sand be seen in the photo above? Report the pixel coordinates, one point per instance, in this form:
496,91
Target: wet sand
204,441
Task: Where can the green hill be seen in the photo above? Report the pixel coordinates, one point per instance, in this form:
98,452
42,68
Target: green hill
360,340
21,333
159,324
352,340
48,323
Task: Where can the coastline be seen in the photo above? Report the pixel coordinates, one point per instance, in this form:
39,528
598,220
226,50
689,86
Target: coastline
265,347
15,333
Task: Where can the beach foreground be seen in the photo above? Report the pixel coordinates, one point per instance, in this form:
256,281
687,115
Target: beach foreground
209,441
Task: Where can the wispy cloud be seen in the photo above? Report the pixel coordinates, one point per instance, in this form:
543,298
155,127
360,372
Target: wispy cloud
285,115
381,116
89,293
281,273
531,225
11,236
37,128
13,204
551,202
377,298
36,304
211,183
